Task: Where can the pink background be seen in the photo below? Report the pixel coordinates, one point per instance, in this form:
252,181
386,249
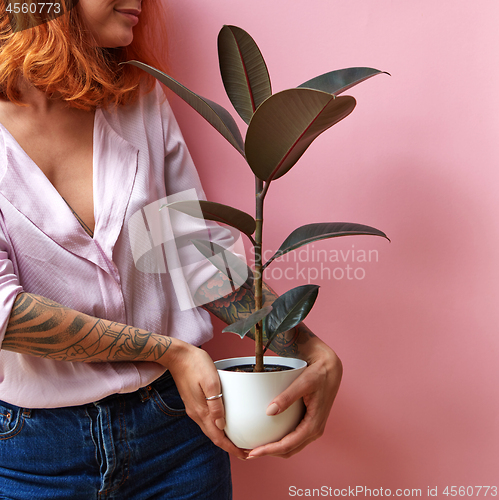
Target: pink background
419,159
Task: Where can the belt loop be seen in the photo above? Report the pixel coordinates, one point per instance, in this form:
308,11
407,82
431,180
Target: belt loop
27,412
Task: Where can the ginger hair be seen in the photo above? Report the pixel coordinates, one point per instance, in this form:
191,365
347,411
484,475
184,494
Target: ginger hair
59,58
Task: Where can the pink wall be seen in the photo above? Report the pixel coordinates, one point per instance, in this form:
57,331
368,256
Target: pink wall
419,159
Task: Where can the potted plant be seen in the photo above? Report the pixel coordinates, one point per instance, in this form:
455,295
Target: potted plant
281,126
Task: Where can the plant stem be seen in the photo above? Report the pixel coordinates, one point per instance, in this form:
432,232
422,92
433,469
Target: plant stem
258,274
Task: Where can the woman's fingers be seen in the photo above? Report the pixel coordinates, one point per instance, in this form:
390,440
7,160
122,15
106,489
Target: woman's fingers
199,386
210,417
318,385
217,412
292,443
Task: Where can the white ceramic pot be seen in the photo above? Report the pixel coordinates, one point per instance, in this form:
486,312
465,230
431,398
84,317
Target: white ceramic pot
246,397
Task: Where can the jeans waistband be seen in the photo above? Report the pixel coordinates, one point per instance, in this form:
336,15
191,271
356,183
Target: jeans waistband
142,393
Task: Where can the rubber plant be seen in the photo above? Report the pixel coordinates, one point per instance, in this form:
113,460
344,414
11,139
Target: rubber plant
280,127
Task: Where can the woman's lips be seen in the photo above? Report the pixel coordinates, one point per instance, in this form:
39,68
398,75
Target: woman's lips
131,14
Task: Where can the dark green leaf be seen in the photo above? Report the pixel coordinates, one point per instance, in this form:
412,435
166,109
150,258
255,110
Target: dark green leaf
320,231
290,309
217,212
285,125
243,326
243,69
340,80
212,112
225,261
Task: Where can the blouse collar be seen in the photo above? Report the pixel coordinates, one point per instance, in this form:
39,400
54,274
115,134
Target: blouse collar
27,188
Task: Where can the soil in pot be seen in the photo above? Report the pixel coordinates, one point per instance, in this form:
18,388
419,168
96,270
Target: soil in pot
250,368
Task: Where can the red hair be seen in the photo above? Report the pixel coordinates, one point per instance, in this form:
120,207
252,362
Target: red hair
59,57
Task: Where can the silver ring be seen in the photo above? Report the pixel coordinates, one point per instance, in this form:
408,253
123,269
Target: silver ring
214,397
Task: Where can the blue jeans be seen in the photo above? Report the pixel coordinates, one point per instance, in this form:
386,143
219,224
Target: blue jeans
129,447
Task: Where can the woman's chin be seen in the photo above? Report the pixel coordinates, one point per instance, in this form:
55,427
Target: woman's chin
115,42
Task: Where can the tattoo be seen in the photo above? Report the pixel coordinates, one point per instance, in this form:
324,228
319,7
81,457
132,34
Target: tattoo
230,307
287,343
113,342
46,329
236,305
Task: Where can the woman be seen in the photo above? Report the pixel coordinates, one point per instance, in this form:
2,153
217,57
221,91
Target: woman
95,352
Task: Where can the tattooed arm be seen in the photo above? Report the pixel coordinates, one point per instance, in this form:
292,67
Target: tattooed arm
43,328
234,306
319,382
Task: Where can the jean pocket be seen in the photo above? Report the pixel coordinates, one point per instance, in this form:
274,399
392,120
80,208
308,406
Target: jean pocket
165,395
11,420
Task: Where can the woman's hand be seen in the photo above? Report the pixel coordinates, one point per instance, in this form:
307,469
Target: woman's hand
318,385
196,379
319,382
